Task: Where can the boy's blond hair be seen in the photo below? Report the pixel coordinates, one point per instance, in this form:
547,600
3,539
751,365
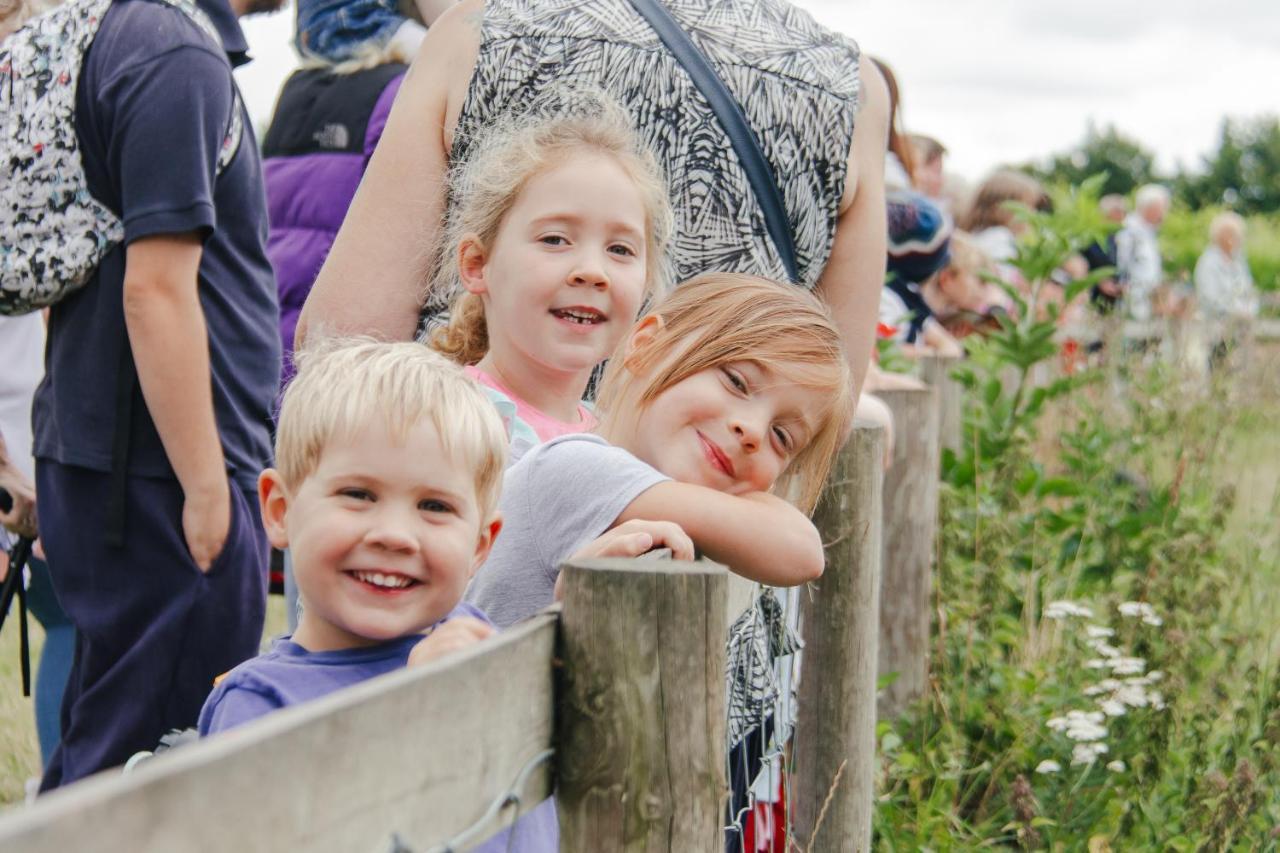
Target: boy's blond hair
510,154
718,318
343,384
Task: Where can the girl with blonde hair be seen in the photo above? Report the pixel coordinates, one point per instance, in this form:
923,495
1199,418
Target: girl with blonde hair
731,393
556,235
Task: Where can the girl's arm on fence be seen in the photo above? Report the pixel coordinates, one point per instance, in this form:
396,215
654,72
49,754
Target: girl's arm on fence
758,535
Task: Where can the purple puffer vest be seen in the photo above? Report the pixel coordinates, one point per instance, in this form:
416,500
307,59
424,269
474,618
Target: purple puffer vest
320,140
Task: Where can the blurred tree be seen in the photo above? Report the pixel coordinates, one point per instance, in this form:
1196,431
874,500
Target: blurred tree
1128,165
1243,173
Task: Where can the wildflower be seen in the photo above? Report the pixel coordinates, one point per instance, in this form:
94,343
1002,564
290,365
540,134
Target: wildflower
1157,701
1116,766
1080,725
1087,753
1104,648
1133,695
1112,707
1096,663
1064,609
1127,666
1141,610
1048,766
1097,632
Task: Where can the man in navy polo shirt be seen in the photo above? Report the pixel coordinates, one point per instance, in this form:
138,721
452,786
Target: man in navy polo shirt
151,425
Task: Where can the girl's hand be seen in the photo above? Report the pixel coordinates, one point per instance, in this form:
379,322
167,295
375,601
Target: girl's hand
635,537
452,636
631,539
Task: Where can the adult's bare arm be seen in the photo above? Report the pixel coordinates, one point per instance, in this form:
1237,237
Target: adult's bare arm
169,338
854,275
372,281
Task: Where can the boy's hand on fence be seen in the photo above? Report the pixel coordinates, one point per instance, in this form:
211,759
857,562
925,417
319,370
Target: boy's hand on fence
456,634
206,520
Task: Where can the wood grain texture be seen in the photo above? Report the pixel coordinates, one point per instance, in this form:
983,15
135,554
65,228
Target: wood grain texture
910,531
641,722
835,732
420,753
935,370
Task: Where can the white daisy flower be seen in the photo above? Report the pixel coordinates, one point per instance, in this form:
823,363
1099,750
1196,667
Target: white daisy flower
1048,766
1065,609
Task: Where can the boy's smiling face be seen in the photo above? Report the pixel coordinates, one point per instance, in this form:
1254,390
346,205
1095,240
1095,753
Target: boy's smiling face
384,535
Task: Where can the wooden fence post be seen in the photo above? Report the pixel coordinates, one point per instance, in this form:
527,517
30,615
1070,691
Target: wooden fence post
910,527
935,370
835,731
641,713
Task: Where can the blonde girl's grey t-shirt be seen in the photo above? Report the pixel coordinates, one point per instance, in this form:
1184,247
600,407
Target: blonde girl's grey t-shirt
557,498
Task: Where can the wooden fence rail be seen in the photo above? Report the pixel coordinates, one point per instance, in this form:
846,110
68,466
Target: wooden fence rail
417,755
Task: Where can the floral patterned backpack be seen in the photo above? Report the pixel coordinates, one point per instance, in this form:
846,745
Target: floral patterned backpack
53,233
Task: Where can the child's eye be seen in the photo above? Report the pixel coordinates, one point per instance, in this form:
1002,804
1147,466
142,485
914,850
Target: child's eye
784,439
553,240
622,249
735,379
434,505
356,494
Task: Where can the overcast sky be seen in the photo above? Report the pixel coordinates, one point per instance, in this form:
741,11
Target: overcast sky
1001,81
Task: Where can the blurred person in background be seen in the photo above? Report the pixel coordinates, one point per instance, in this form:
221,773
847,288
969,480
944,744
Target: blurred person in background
928,155
1225,295
1138,263
1105,294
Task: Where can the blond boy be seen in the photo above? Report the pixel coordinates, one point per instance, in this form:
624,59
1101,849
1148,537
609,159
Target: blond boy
390,463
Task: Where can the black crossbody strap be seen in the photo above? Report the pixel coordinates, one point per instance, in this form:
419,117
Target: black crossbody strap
729,113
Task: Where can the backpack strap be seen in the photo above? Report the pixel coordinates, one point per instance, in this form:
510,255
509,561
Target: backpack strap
729,113
235,124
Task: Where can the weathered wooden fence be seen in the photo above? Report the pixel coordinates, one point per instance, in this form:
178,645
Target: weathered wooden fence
616,699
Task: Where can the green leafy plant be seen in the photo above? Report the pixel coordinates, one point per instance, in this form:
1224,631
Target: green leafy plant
1088,690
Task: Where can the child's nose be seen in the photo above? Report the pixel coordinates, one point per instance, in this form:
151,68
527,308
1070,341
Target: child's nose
748,434
390,532
588,270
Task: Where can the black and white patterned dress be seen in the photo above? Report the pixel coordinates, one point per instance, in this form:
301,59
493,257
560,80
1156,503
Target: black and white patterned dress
797,83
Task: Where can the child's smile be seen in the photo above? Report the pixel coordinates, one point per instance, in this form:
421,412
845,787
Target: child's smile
565,274
384,535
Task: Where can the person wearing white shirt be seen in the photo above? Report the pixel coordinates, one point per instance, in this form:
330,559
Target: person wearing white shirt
1138,250
1225,294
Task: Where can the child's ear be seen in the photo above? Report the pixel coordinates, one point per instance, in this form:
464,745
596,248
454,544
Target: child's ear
641,337
484,542
273,499
472,259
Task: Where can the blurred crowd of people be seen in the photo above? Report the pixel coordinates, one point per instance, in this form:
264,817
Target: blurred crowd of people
950,243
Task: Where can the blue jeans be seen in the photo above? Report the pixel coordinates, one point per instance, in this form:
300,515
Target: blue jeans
333,29
55,657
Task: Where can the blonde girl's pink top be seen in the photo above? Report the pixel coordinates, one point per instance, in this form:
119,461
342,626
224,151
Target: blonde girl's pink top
526,417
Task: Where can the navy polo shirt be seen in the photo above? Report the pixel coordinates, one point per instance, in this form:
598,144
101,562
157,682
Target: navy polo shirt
152,109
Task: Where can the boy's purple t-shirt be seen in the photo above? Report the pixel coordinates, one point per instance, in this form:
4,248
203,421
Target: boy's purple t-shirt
288,675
